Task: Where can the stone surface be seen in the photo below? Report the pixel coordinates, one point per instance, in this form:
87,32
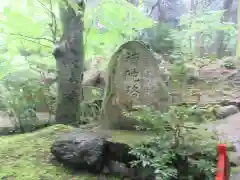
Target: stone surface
235,175
120,152
97,153
235,78
228,128
226,111
80,151
93,78
235,102
8,123
234,158
133,79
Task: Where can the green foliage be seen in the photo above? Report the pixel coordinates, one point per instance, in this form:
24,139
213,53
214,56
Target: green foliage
90,112
181,141
158,37
34,26
206,24
121,22
26,26
21,97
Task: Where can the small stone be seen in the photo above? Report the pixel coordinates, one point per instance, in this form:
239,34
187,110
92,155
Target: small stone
235,102
225,111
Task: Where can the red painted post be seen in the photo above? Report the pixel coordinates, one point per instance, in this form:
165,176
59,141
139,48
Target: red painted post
222,165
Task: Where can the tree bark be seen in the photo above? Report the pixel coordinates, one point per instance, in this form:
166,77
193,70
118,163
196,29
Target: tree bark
220,38
238,31
69,55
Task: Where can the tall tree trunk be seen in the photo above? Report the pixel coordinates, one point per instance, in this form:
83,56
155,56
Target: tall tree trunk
220,37
194,7
69,55
238,36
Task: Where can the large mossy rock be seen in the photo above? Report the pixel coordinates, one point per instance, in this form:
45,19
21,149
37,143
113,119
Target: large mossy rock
83,151
96,151
134,79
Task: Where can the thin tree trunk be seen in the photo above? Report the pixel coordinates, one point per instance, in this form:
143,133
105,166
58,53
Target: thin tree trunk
69,55
238,35
194,9
220,37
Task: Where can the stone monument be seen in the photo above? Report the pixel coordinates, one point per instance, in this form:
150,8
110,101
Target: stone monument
133,80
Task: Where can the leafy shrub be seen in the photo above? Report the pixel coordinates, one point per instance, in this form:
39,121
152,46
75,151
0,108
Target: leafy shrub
182,149
90,111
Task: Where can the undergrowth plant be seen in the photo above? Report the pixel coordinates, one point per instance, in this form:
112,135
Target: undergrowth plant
182,147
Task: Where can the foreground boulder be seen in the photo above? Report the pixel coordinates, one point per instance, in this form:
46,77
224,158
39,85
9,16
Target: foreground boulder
226,111
94,152
80,151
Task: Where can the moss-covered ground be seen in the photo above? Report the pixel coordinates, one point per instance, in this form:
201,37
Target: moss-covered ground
27,157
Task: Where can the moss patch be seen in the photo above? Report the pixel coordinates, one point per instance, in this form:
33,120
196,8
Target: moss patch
130,137
26,156
235,170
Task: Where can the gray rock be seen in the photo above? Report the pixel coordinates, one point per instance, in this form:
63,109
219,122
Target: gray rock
95,153
83,151
140,173
235,176
225,111
235,102
118,169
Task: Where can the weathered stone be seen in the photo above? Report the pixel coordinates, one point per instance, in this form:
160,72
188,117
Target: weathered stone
81,151
93,85
235,102
120,152
96,153
234,158
120,170
234,78
93,78
141,173
133,79
225,111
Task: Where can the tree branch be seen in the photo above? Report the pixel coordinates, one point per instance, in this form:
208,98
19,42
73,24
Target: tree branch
30,40
29,37
54,23
87,33
153,7
53,20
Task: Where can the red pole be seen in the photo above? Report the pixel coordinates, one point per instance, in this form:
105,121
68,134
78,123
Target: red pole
222,165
